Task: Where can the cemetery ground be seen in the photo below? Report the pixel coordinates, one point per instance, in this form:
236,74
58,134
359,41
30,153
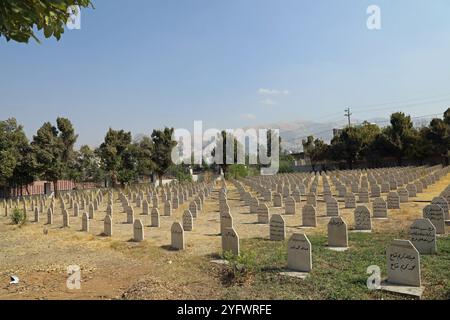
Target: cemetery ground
117,268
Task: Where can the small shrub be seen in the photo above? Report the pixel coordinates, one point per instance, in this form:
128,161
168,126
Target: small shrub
18,216
240,269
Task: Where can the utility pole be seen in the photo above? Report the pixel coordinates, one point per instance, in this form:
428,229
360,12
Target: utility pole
348,114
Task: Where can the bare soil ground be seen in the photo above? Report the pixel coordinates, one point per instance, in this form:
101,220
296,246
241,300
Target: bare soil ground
117,268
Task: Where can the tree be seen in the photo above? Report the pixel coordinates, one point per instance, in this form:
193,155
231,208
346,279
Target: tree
16,164
226,159
438,133
53,151
114,154
87,166
143,151
163,144
18,18
316,149
402,135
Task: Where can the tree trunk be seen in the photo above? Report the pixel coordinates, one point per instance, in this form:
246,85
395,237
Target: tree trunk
55,188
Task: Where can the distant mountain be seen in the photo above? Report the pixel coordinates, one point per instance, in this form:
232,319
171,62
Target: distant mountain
292,133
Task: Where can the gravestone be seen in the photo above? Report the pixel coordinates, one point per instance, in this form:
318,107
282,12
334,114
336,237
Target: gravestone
91,211
193,209
138,231
393,200
230,241
332,207
277,200
85,222
363,196
337,233
277,228
145,207
188,221
435,213
130,215
76,209
66,221
49,216
108,226
350,201
442,202
363,221
412,190
177,234
403,195
109,210
311,199
226,221
379,207
290,206
375,191
154,217
263,214
403,264
299,253
168,209
423,236
36,214
309,218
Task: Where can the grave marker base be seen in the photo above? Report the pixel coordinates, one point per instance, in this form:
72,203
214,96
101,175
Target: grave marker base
338,249
221,262
361,231
406,290
295,274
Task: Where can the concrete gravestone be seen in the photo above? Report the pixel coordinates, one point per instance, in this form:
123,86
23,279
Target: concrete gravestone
403,264
393,200
299,253
332,207
108,231
350,201
230,241
226,221
309,218
403,195
423,236
177,234
442,202
263,214
290,206
337,233
363,221
36,214
311,199
379,208
154,217
138,231
435,213
277,200
85,222
66,219
277,228
188,221
49,216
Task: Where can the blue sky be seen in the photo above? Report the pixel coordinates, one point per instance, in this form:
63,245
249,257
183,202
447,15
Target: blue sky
144,64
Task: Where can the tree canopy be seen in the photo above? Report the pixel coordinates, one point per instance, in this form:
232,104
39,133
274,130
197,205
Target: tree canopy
20,18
